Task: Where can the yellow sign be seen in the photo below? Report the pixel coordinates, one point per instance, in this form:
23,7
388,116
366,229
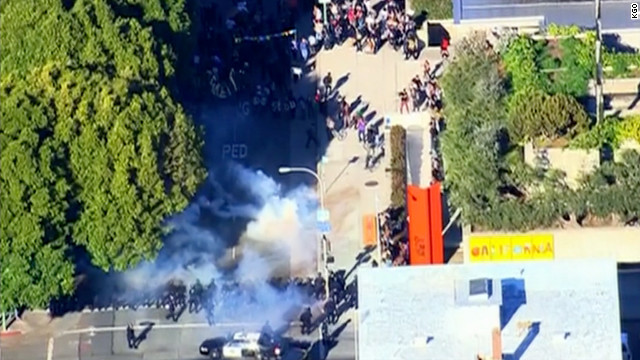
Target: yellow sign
515,247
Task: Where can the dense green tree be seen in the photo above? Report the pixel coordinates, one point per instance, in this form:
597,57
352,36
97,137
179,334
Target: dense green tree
474,113
34,203
95,151
128,38
534,115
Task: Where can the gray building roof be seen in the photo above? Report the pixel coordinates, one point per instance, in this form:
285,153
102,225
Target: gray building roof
547,310
616,14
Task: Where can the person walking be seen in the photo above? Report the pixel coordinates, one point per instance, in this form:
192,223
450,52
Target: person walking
404,101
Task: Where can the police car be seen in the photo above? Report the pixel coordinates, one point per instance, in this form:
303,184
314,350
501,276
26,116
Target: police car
242,345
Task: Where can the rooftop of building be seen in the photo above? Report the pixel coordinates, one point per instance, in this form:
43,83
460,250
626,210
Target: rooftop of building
545,310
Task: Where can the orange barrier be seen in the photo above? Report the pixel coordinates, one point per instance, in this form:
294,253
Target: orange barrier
369,230
435,220
419,242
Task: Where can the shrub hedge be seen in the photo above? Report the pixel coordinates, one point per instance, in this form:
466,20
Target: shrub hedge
612,132
398,167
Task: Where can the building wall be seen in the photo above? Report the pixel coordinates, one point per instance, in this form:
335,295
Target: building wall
573,162
619,243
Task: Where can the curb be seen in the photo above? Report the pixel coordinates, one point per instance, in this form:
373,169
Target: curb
10,333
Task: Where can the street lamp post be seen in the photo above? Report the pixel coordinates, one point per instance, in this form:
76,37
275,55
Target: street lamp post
599,75
323,244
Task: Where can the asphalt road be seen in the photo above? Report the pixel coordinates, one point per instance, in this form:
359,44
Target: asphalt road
616,14
160,342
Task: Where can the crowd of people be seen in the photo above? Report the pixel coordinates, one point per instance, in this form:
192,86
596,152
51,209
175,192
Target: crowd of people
227,54
394,237
422,93
369,29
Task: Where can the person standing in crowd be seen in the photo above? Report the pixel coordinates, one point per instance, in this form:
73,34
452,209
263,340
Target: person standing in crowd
327,81
330,311
345,113
304,50
305,320
131,336
362,126
426,67
444,47
404,101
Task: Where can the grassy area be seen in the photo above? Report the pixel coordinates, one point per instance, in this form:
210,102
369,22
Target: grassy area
435,9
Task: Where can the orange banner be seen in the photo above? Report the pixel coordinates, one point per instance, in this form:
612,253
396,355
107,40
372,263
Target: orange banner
418,207
369,231
435,220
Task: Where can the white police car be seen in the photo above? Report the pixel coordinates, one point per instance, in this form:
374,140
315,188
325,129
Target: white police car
242,345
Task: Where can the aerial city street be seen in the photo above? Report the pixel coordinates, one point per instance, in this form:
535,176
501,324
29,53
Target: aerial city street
319,179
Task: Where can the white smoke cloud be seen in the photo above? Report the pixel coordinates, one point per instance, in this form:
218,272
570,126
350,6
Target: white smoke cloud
279,239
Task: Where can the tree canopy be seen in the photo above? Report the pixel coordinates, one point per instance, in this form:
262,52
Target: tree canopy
485,173
96,152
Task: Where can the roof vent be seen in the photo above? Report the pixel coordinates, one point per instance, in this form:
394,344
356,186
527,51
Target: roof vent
480,289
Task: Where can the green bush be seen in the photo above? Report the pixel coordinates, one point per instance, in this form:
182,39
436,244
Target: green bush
398,144
621,64
435,9
578,67
537,115
520,63
612,132
612,189
563,30
629,129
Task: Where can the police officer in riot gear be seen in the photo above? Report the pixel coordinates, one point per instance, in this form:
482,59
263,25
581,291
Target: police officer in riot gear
305,319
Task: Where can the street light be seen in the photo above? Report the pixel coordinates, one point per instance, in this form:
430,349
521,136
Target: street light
288,170
323,245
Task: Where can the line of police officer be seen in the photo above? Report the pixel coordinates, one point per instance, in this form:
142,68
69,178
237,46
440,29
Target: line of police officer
339,294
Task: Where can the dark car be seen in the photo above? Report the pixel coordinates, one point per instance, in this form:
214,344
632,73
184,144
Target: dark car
213,347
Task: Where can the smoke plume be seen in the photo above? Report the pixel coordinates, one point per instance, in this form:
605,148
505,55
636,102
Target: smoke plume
244,228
